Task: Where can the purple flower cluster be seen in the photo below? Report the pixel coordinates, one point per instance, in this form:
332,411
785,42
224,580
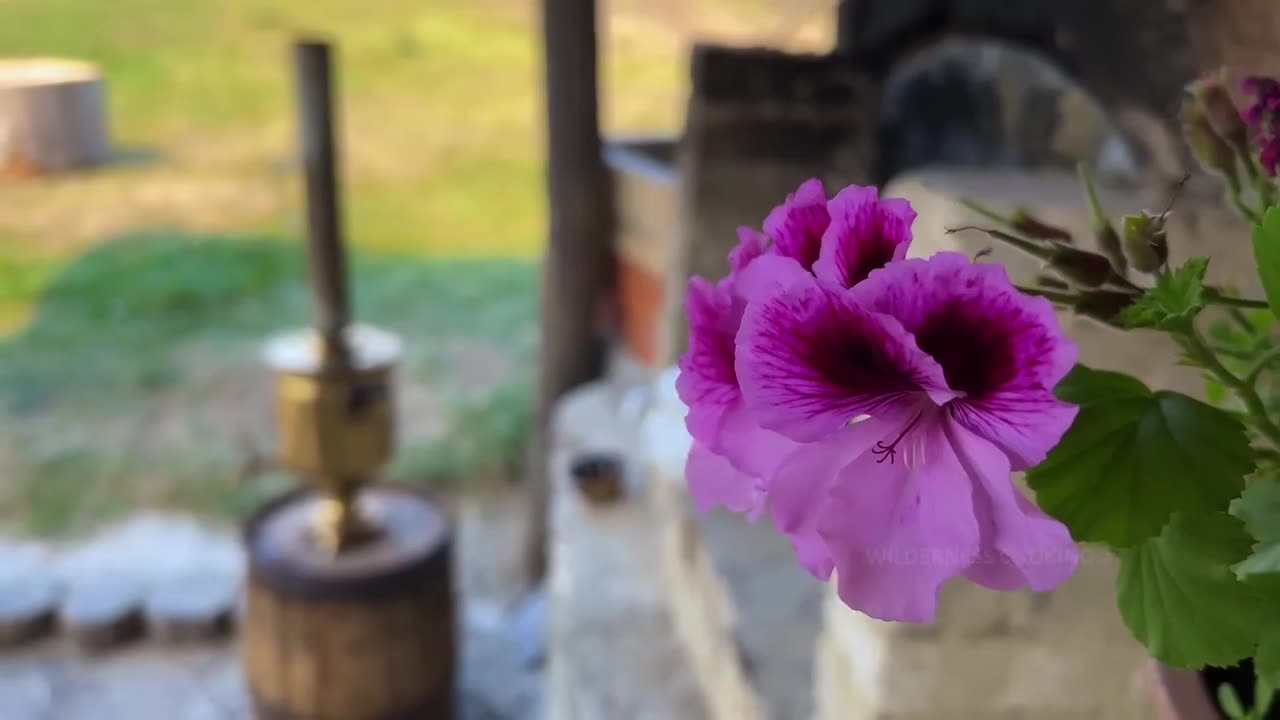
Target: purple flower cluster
1262,115
874,406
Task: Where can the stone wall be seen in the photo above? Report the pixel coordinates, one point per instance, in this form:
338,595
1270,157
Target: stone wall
1243,35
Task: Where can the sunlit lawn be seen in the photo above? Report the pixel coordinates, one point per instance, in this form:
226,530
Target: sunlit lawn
132,297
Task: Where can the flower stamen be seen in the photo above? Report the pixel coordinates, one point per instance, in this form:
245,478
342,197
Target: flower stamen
888,452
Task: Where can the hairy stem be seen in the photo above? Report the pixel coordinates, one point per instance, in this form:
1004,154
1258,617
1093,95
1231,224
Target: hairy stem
1264,360
1235,195
1201,352
1215,296
1057,296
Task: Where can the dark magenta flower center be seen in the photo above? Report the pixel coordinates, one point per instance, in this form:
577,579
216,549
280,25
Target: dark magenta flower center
976,354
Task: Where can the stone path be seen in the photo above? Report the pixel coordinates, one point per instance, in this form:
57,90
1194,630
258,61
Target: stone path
499,678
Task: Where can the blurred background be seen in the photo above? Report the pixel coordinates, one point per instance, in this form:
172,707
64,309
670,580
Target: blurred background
136,291
133,296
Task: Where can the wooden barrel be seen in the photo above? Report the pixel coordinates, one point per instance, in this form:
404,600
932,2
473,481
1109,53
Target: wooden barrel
367,634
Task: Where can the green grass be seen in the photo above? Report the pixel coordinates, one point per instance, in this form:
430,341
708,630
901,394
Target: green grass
144,329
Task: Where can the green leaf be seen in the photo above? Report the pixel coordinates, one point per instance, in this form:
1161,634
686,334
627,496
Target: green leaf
1266,252
1229,702
1266,660
1175,299
1180,599
1214,391
1259,509
1133,458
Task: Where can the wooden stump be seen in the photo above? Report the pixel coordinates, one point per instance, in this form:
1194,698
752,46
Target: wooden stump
52,116
367,634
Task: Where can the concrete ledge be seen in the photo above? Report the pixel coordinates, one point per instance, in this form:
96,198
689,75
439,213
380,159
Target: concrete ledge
612,647
746,613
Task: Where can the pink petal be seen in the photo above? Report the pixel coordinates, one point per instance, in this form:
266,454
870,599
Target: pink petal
898,530
801,485
749,447
767,276
797,225
811,360
974,317
1025,424
865,234
713,481
1025,546
751,245
1002,350
707,382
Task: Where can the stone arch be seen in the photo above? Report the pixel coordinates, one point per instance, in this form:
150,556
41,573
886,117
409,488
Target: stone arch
1134,55
972,101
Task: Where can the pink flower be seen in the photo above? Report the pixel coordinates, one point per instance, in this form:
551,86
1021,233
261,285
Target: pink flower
910,399
1262,115
842,240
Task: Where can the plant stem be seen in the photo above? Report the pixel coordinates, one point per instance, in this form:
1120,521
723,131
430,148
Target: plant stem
987,212
1261,185
1058,296
1231,352
1199,349
1239,319
1215,297
1036,251
1261,364
1234,194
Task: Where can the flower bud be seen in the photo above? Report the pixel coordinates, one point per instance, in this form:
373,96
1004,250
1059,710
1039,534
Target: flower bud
1037,230
1146,243
1080,267
1220,111
1210,150
1103,305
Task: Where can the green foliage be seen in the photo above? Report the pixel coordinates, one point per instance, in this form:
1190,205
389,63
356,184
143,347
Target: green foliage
1134,457
1266,252
1259,509
1266,661
1230,703
1179,597
1176,298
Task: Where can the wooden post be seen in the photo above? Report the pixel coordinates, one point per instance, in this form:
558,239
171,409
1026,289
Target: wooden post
577,267
846,25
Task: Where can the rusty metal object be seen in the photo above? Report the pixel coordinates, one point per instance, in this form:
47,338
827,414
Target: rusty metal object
335,423
599,476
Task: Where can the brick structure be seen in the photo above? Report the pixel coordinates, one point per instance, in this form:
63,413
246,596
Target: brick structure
759,123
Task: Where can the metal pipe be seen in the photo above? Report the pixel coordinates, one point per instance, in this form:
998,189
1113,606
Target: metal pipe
326,258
